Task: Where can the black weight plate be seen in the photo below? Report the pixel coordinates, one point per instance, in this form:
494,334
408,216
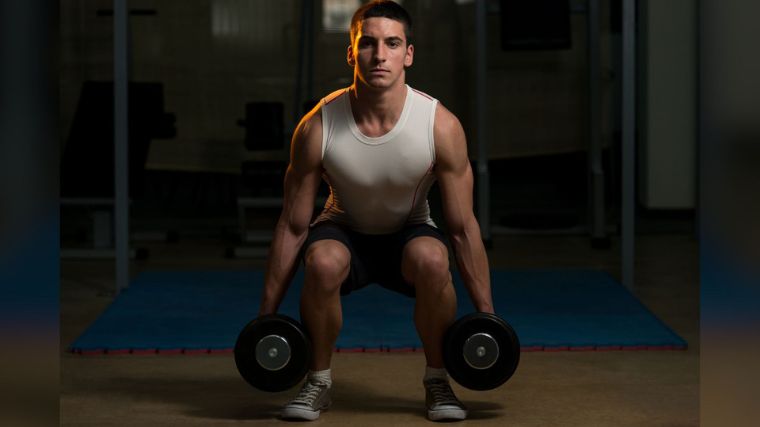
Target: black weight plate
258,376
500,371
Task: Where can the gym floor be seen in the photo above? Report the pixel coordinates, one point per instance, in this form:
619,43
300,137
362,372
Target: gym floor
648,388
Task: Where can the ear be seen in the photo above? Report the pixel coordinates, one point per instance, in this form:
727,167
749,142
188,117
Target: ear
409,57
350,56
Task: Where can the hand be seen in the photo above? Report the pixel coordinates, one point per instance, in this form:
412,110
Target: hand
265,310
485,308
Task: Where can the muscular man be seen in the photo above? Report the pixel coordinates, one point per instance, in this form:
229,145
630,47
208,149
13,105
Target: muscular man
380,145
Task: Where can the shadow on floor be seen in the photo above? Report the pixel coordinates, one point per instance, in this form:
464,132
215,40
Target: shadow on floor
360,397
232,399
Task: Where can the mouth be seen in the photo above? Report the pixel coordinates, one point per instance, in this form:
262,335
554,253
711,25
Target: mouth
378,71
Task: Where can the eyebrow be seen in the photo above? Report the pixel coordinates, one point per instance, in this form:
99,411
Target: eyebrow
391,38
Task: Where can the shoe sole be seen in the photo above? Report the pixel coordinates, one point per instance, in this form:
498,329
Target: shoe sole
447,415
301,414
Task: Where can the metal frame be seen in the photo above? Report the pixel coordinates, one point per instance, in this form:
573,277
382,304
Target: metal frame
628,151
102,223
596,171
305,59
598,228
481,123
303,92
121,141
103,231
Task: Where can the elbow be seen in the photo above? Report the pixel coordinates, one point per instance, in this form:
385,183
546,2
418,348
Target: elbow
292,226
465,231
299,229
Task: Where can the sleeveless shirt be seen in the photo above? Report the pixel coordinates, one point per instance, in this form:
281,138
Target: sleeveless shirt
378,184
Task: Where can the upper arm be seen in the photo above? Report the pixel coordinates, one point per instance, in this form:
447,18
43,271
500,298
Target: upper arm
453,170
304,173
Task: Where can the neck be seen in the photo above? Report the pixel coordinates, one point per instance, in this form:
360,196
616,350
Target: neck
384,103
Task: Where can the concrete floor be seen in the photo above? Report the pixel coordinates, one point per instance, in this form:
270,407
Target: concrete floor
653,388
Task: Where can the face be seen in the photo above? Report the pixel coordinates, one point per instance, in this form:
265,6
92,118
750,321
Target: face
380,53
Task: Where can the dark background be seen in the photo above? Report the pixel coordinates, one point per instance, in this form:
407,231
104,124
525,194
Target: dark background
187,186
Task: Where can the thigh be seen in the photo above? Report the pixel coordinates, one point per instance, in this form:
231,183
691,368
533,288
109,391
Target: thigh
407,241
423,254
326,231
329,259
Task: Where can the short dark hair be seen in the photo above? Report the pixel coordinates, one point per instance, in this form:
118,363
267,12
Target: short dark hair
382,9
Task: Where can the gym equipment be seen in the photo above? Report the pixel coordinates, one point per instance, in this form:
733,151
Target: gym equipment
481,351
264,126
272,353
87,159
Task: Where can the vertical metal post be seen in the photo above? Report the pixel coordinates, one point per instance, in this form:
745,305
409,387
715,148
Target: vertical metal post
121,141
302,35
481,122
628,151
596,172
310,33
701,118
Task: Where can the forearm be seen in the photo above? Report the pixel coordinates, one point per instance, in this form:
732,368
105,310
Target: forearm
301,182
282,263
472,262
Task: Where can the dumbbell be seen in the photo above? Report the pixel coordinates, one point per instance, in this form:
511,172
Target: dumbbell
272,353
481,351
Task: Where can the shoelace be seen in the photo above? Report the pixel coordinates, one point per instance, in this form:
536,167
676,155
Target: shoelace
442,393
308,393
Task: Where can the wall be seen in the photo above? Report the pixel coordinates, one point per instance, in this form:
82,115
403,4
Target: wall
213,56
667,138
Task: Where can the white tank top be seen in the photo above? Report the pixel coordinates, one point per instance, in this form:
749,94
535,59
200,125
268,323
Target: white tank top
378,185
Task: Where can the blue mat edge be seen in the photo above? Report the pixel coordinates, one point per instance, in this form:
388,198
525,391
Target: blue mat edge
662,323
682,343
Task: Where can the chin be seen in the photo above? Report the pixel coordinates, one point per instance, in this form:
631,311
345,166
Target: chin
378,83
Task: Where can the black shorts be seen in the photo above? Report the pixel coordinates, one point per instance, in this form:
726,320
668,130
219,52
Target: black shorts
375,258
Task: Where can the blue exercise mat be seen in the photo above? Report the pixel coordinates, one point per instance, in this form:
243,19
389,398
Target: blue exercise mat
200,311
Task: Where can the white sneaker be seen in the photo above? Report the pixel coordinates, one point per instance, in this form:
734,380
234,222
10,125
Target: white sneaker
313,398
442,404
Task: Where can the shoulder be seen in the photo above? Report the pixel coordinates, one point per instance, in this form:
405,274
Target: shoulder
306,145
307,137
445,121
450,141
448,131
313,118
332,97
422,94
310,126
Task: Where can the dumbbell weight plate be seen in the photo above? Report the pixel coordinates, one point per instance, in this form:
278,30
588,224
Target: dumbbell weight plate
272,353
481,351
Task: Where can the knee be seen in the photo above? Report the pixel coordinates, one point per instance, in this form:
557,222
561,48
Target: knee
327,267
428,265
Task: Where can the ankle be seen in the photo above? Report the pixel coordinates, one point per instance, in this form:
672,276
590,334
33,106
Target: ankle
435,374
323,377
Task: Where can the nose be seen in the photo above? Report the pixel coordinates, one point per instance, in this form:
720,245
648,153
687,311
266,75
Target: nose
380,52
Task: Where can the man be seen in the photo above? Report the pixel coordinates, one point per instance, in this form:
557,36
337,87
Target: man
380,145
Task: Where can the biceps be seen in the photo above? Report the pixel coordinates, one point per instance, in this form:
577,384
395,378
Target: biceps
456,192
298,201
